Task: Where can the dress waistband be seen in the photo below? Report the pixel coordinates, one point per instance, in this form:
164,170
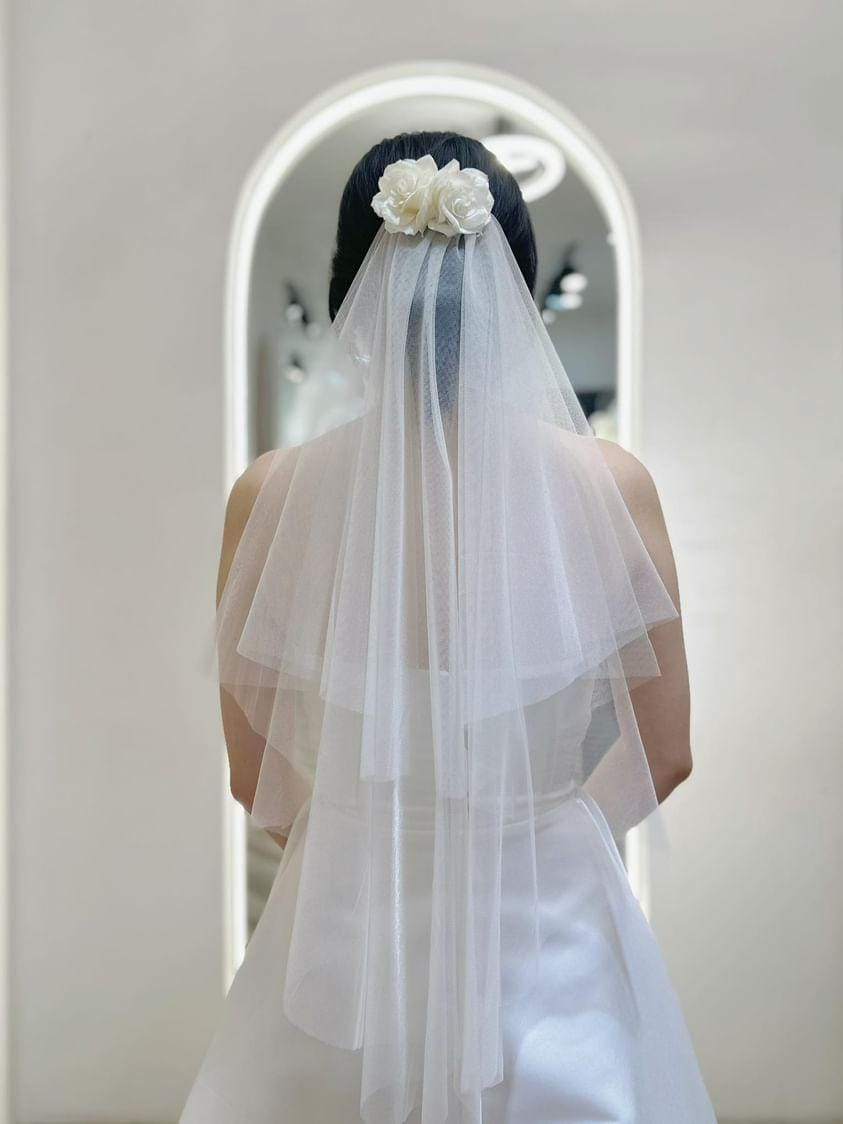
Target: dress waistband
421,818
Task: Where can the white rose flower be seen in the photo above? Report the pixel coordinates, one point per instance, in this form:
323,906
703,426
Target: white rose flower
403,201
461,202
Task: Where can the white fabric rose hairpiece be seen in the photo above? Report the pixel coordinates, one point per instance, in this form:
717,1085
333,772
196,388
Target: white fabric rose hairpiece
416,195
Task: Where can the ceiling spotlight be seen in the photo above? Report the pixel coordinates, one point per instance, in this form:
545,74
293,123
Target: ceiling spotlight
294,307
294,371
566,288
548,315
572,281
537,164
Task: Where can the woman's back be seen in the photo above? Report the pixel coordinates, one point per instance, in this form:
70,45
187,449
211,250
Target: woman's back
559,724
432,623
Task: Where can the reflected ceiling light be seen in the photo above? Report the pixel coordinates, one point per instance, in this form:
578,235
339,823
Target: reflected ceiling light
573,281
295,371
561,302
565,290
294,308
571,278
537,164
548,315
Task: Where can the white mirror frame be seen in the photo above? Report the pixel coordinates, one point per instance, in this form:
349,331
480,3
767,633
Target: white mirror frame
290,144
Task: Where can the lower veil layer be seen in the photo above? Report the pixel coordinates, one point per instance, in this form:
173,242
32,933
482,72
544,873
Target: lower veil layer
434,617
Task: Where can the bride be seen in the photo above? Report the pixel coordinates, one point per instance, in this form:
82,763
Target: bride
453,676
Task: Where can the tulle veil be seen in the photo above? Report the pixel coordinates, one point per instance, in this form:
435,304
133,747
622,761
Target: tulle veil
434,617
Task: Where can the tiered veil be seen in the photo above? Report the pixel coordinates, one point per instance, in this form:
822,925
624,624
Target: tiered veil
434,617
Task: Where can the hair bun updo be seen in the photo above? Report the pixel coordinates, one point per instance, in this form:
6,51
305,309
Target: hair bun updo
358,224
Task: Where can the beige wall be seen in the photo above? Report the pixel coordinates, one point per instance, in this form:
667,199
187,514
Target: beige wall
133,124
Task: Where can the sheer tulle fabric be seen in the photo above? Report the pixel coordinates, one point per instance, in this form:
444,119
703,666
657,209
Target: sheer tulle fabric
447,597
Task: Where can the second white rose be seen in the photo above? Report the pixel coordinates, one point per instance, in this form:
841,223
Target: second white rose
460,200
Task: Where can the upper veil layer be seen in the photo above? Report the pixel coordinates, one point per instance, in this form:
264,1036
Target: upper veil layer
435,616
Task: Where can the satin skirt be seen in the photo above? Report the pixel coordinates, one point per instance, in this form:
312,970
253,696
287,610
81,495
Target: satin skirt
601,1039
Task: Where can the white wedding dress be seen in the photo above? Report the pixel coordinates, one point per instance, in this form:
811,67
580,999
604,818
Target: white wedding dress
601,1039
435,617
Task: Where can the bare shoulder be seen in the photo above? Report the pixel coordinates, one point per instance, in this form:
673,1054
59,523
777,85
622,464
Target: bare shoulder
241,500
243,494
634,482
639,493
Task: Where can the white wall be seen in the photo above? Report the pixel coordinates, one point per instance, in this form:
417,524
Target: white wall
132,126
5,1043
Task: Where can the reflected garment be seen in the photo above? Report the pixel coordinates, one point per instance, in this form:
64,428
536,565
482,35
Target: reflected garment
601,1038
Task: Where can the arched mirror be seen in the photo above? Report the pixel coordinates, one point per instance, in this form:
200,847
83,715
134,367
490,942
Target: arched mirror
283,384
